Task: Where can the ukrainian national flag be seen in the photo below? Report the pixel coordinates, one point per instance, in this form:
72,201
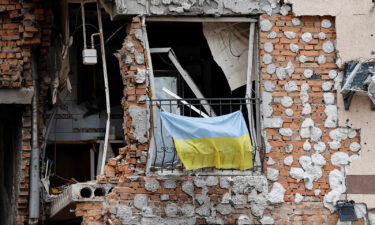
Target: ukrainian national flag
222,142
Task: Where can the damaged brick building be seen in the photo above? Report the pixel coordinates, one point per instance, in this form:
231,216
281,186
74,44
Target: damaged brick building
85,87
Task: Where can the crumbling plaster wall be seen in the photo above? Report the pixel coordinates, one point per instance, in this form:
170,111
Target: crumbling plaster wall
307,150
186,7
355,40
142,198
354,24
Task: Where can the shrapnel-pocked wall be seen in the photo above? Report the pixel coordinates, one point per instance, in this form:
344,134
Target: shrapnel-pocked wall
306,152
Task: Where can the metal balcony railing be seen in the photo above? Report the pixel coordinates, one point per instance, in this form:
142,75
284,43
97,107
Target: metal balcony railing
164,155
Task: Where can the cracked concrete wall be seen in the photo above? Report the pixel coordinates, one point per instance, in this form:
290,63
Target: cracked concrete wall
201,7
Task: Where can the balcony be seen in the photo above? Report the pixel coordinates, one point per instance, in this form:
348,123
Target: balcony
163,155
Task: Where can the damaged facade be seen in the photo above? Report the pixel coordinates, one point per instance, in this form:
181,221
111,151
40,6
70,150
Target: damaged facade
84,85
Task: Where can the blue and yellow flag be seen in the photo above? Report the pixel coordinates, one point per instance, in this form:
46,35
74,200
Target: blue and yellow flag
222,142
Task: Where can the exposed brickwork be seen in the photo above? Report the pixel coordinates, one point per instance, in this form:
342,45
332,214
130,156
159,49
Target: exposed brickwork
128,170
311,210
138,195
20,29
23,198
23,26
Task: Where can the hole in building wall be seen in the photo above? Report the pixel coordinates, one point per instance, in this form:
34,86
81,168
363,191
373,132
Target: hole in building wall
190,45
86,192
99,192
10,149
192,48
75,142
76,134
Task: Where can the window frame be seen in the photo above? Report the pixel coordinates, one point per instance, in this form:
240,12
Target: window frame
252,71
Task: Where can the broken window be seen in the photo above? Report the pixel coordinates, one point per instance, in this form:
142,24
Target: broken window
359,78
199,70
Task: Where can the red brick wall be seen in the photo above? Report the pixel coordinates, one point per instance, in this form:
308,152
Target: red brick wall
23,199
311,210
20,29
220,199
23,26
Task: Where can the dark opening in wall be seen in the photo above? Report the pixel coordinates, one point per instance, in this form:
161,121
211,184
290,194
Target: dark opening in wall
10,147
86,192
215,57
70,163
190,45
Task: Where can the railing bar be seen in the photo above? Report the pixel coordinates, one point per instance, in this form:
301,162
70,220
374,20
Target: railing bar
161,133
190,111
156,146
221,108
174,155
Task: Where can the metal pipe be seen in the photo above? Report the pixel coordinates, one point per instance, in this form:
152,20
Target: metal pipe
34,160
83,24
92,39
105,76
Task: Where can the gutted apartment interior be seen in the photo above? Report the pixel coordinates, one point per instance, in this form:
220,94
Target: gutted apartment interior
187,78
184,67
